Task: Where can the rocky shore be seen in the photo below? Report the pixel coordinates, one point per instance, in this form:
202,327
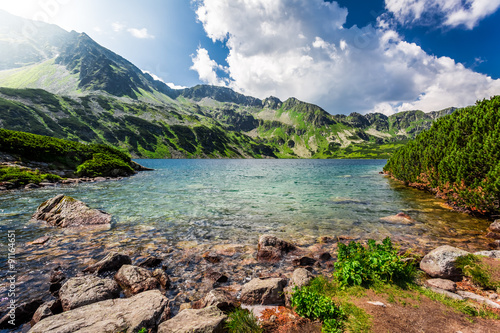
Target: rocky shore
194,287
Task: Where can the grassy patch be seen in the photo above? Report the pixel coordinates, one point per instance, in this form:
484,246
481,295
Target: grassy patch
483,271
22,176
242,321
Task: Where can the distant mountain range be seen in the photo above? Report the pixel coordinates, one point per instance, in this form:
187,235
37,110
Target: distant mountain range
65,85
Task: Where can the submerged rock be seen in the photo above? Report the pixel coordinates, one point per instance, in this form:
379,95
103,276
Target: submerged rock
264,292
84,290
111,262
145,310
207,320
150,262
135,279
400,218
63,211
440,262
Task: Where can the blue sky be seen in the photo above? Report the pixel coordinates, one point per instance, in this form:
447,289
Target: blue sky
346,56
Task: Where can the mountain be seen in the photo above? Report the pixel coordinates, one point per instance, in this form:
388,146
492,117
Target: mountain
65,85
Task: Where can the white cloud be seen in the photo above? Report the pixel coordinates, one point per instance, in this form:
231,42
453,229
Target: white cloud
140,33
300,48
118,27
206,68
452,12
157,78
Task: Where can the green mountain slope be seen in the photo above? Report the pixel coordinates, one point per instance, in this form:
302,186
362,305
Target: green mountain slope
458,158
81,91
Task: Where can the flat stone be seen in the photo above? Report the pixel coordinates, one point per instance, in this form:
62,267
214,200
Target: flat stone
377,304
442,284
400,218
84,290
135,280
479,299
111,262
263,291
440,262
39,241
145,310
447,293
207,320
491,254
63,211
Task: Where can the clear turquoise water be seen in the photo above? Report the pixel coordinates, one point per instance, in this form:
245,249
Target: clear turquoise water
210,200
228,201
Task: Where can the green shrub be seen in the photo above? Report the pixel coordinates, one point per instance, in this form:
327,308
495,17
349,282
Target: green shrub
310,304
359,265
102,165
479,272
22,176
242,321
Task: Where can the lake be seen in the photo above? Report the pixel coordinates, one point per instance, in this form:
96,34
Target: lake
194,202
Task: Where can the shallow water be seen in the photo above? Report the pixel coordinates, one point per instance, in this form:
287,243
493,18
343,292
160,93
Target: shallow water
185,203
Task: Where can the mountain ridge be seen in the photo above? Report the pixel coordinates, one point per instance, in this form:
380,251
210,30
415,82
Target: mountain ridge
91,94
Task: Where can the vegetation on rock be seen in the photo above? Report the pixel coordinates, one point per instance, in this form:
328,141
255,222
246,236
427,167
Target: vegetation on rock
242,320
458,158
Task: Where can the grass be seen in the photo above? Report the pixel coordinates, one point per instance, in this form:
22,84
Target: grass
242,321
481,271
22,176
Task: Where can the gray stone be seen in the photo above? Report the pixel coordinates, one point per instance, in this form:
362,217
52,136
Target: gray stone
479,299
207,320
135,280
219,298
446,293
63,211
264,291
111,262
442,284
145,310
495,226
84,290
300,278
492,254
440,262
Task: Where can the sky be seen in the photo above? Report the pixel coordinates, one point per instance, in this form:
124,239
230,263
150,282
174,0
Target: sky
345,56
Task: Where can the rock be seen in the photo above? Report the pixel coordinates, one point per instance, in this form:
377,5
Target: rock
207,320
219,298
479,299
377,304
31,186
135,279
56,280
215,276
442,284
304,261
495,244
440,262
212,257
63,211
23,314
447,293
264,292
272,249
145,310
494,235
495,226
324,256
111,262
46,310
400,218
300,278
83,290
162,278
491,254
150,262
39,241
